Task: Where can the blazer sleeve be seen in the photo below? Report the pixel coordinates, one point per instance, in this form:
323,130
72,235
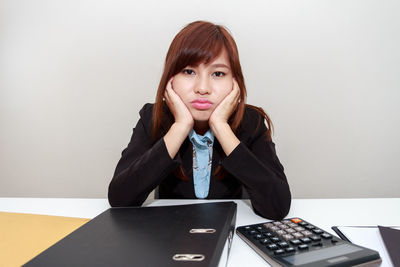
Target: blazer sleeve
257,167
135,175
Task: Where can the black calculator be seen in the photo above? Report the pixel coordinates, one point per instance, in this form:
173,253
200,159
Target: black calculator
296,242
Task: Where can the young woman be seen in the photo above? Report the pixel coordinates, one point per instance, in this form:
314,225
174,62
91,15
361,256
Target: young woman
200,139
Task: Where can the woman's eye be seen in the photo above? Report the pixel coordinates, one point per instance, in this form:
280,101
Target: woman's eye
219,73
188,71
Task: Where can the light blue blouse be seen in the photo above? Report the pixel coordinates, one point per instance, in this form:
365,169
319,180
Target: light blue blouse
202,160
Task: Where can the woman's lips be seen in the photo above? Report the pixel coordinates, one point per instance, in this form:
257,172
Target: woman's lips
202,104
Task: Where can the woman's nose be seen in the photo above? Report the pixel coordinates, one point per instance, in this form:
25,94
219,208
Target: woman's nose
203,86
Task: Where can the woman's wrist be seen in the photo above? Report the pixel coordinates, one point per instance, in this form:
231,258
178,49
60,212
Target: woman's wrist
183,127
218,126
175,136
215,125
226,137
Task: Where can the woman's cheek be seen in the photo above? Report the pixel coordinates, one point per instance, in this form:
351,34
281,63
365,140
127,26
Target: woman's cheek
177,86
227,88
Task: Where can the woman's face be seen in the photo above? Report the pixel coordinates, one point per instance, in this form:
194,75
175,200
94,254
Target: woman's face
203,87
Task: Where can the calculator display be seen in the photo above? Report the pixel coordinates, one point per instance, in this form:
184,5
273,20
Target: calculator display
316,255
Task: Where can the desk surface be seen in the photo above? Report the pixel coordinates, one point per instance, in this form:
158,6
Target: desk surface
321,212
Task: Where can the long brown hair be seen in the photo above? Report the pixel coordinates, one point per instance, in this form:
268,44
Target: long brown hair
199,42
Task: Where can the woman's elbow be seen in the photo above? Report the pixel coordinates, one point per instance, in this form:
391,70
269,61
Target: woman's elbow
116,196
120,197
276,208
273,214
113,197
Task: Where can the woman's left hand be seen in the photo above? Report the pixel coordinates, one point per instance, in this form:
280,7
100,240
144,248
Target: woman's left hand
219,120
225,109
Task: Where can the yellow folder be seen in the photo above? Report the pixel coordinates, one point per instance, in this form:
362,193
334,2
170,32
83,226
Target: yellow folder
23,236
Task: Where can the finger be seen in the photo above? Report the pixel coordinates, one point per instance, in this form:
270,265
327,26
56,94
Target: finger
167,99
170,93
169,89
171,97
169,83
166,95
229,100
236,86
235,94
236,89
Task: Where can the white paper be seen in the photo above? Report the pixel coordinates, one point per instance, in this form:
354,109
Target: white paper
368,237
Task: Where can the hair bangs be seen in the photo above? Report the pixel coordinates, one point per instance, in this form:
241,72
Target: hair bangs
202,47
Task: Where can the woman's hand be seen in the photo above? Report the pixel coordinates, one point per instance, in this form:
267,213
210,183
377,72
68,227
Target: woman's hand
225,109
219,120
175,104
183,121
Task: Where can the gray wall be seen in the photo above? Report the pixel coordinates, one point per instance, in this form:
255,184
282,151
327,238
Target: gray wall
74,75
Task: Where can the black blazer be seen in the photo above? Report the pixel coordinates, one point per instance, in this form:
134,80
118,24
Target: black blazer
252,165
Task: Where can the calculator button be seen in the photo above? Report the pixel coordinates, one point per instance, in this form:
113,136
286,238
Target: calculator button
310,227
303,223
306,240
286,221
283,244
279,252
303,247
283,226
272,247
297,235
253,232
306,233
268,225
280,232
315,238
260,228
317,231
296,220
334,241
295,242
274,228
290,231
268,234
258,236
290,250
265,241
275,239
287,237
326,236
292,224
299,228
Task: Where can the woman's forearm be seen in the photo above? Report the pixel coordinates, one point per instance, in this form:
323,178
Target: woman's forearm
175,136
225,136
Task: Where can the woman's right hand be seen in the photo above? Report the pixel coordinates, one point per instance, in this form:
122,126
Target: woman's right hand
175,104
183,121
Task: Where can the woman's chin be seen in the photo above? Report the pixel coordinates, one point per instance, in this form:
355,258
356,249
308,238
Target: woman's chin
201,116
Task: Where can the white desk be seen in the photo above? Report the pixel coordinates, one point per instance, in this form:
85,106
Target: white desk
321,212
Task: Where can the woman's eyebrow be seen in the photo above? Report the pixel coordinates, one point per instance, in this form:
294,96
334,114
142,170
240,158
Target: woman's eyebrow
220,65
